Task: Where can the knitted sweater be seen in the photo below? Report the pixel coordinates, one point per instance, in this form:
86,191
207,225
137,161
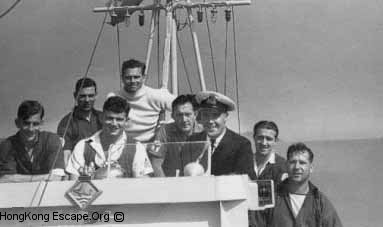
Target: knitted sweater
145,107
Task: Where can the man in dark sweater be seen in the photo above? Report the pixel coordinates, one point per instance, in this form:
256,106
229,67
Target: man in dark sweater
31,154
298,202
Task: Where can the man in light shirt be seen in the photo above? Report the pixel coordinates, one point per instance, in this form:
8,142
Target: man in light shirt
298,202
146,103
111,146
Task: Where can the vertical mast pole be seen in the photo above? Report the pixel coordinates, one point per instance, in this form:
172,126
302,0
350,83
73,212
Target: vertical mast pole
196,49
174,57
165,65
153,24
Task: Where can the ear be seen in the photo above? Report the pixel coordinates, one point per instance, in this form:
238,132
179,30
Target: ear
18,123
311,168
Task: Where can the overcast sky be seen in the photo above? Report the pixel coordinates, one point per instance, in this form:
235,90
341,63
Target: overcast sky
314,67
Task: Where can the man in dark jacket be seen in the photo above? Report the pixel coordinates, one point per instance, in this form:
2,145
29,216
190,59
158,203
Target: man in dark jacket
298,202
268,165
230,152
31,154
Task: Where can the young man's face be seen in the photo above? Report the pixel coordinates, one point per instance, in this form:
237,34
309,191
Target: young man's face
30,127
265,139
114,123
86,98
299,167
133,79
213,121
184,117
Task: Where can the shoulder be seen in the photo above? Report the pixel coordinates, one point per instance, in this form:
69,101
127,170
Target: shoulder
236,137
50,136
159,94
6,144
279,159
198,137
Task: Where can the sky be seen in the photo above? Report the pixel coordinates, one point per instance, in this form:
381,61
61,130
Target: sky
314,67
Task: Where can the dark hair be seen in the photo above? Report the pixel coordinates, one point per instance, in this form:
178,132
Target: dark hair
298,148
116,104
85,82
133,63
266,125
29,108
182,99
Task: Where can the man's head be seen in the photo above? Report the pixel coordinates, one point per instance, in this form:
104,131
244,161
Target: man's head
30,116
133,75
115,116
85,93
183,113
299,163
213,111
265,134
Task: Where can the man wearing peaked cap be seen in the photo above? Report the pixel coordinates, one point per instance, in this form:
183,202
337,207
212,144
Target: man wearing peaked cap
231,152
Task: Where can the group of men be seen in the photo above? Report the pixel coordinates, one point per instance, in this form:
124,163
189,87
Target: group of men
89,141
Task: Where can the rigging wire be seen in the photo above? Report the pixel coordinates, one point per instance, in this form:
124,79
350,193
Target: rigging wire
71,114
225,76
158,47
119,54
184,64
211,51
236,70
9,9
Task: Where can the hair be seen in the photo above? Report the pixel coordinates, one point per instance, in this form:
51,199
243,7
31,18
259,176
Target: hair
116,104
29,108
299,148
83,83
182,99
266,125
133,63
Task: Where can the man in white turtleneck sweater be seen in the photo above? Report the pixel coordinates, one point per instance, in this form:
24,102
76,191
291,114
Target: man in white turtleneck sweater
146,103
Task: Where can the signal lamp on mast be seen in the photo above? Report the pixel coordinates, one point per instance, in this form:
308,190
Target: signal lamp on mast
141,18
200,15
214,13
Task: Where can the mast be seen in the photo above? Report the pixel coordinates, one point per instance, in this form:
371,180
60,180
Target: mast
170,42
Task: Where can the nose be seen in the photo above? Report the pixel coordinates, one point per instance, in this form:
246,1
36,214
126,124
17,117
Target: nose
264,141
87,98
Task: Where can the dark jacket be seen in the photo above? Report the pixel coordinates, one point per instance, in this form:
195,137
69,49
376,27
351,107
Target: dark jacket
272,171
316,211
233,154
47,152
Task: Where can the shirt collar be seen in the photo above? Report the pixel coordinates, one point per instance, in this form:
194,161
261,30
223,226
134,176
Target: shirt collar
218,139
79,115
96,141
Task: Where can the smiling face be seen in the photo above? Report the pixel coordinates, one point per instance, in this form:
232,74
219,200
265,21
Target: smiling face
213,121
133,79
265,140
30,127
184,117
299,167
114,123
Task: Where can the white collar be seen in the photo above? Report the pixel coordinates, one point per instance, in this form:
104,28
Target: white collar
218,139
270,160
96,143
